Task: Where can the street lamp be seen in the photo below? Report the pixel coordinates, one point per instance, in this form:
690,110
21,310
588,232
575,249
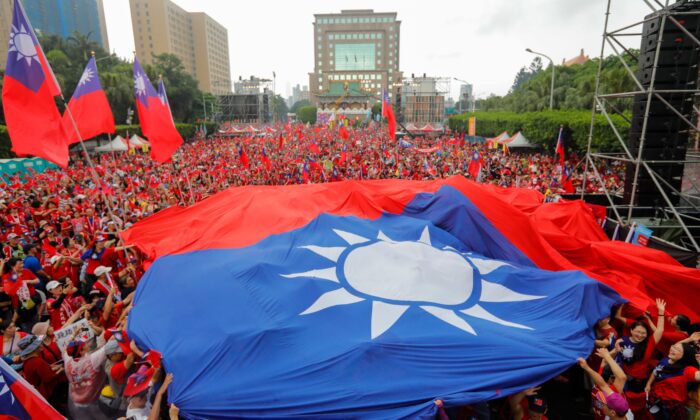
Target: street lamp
551,93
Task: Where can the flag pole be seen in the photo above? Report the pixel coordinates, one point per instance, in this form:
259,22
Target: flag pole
93,172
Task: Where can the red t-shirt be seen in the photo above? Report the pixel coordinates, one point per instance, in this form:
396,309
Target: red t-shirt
674,387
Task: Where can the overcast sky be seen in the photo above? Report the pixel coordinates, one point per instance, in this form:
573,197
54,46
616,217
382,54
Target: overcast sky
482,42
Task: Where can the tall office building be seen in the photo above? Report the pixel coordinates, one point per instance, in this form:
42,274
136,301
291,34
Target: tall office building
466,97
201,43
57,17
356,57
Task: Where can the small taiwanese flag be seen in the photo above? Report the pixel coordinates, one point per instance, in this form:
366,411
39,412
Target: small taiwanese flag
266,160
342,131
560,148
88,107
475,165
313,147
244,157
305,173
388,113
28,91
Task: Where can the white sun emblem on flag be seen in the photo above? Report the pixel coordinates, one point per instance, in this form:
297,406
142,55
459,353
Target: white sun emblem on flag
86,77
396,275
140,84
21,42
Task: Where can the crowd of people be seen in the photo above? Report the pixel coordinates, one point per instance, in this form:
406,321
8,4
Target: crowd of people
68,280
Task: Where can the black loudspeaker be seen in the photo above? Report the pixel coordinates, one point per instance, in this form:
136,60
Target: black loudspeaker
667,134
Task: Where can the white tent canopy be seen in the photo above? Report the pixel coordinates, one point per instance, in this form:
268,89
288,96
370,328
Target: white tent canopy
118,144
136,141
518,140
501,138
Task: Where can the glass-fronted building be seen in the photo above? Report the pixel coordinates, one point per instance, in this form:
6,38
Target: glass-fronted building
64,17
356,57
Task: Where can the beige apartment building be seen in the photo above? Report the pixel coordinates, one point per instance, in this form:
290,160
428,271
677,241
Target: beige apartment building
161,26
356,57
5,23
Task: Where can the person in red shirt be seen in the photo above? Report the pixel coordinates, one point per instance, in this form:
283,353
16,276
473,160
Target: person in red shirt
49,350
62,305
18,283
40,374
680,329
635,351
668,384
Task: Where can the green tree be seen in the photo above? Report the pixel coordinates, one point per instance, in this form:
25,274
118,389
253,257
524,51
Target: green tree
574,87
298,104
376,110
307,114
181,88
278,108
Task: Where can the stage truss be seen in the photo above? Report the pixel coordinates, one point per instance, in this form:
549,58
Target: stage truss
686,214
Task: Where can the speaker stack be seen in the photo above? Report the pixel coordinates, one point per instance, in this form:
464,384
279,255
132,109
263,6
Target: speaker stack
667,134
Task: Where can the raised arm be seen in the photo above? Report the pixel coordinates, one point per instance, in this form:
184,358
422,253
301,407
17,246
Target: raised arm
618,315
155,410
620,377
659,332
595,376
515,408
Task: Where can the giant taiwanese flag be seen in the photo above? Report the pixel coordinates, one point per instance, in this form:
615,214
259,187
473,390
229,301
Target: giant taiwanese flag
19,400
89,107
28,92
154,116
360,299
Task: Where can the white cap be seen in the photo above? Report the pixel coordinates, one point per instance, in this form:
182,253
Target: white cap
55,258
52,285
102,270
12,236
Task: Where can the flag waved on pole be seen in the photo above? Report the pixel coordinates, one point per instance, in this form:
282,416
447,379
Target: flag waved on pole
388,113
88,107
28,91
560,149
155,117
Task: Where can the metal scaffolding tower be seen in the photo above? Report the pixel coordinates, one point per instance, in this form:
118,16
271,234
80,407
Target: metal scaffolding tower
675,215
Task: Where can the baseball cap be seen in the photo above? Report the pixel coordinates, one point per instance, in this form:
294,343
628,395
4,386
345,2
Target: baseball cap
41,328
614,401
53,260
12,236
52,285
102,270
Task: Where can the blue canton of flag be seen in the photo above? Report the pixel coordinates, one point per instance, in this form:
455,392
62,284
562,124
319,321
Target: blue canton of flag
142,84
9,406
89,82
